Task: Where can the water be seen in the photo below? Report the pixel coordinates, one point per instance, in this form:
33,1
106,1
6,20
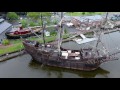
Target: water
25,67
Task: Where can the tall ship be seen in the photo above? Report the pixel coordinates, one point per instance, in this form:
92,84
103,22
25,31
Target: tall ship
86,59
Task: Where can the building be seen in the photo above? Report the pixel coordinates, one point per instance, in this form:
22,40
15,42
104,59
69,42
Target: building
4,27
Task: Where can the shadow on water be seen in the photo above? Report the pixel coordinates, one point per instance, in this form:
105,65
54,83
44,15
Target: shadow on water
59,72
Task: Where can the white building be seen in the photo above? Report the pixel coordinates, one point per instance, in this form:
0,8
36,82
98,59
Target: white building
47,33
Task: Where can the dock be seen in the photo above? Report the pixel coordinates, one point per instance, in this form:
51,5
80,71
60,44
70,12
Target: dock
74,34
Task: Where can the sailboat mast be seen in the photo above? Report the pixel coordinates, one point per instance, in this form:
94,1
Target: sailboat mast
61,27
99,40
106,17
60,33
43,27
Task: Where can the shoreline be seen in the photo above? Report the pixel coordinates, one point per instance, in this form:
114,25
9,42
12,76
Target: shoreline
11,55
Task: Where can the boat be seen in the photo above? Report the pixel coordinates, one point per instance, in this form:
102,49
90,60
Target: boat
86,59
17,33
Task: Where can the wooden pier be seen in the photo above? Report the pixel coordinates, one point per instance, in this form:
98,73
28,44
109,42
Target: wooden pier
74,34
110,31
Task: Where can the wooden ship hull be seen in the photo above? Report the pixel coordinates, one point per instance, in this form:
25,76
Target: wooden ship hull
12,36
53,59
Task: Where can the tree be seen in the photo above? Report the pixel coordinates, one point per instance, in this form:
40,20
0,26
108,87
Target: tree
65,31
12,16
46,14
21,13
33,15
24,23
32,23
45,17
83,13
91,13
39,22
55,21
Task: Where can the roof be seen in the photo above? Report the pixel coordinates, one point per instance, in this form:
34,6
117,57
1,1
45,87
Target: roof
1,19
82,18
4,26
92,18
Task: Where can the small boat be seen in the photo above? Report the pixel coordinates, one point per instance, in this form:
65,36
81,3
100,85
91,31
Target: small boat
17,33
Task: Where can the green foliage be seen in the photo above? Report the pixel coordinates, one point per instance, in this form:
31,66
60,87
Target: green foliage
24,23
5,42
46,14
39,22
46,17
55,21
84,13
32,23
21,13
53,33
65,31
36,15
33,15
12,16
48,21
51,29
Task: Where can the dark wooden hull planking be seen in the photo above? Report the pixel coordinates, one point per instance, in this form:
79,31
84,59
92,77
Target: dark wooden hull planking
57,61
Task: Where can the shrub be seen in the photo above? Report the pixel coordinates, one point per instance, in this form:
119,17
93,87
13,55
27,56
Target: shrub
39,22
24,23
5,42
12,16
65,31
51,29
83,13
55,21
48,21
33,15
53,33
32,23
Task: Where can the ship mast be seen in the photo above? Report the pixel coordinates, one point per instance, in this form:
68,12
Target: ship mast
60,32
99,40
43,27
106,18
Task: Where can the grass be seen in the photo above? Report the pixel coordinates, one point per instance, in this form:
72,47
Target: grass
47,39
84,13
17,45
12,48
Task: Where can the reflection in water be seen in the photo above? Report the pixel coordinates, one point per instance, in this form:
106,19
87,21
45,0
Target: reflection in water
59,72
